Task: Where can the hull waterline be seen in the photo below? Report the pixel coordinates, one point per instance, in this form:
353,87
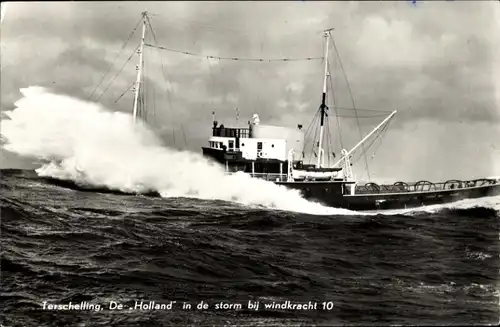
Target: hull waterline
324,193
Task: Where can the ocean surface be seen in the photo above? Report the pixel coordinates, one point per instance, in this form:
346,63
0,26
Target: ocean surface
437,265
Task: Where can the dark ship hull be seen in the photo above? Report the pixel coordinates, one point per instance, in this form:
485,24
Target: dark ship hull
333,193
386,201
336,193
69,184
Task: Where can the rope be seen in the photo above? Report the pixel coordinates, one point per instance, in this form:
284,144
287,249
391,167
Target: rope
313,139
184,135
163,69
336,110
311,123
352,100
367,116
380,134
128,89
359,109
384,132
112,64
121,69
213,82
233,58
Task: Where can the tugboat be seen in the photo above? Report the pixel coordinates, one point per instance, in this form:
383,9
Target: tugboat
276,154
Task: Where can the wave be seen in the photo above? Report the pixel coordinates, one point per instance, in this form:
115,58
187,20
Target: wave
480,206
86,144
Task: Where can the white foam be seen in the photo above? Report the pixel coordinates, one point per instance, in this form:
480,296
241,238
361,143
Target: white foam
492,202
85,142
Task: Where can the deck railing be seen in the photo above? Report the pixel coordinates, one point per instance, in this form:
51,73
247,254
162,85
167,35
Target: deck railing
400,187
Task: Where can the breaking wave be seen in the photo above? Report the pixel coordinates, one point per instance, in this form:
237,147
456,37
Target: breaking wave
83,142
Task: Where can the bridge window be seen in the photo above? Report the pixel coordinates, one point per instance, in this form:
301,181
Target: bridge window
259,145
231,144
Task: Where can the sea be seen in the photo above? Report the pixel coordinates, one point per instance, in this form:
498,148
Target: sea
215,250
436,266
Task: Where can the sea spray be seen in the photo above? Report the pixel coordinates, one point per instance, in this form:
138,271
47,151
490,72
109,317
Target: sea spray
83,142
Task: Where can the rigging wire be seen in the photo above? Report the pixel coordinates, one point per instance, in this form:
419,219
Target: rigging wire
128,89
359,109
210,102
261,103
313,123
233,58
328,136
383,135
313,143
178,24
114,60
364,116
330,142
121,69
352,99
380,134
327,143
184,135
308,129
336,109
163,69
225,100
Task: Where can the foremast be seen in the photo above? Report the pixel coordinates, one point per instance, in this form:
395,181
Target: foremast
139,68
323,106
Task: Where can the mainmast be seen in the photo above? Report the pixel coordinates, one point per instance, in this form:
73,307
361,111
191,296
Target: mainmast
139,67
323,106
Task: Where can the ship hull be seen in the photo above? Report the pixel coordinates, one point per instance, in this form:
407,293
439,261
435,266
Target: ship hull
331,194
403,200
69,184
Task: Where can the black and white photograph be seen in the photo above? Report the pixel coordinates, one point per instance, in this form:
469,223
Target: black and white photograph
250,163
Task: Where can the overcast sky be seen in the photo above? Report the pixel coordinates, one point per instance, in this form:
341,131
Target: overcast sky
436,62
